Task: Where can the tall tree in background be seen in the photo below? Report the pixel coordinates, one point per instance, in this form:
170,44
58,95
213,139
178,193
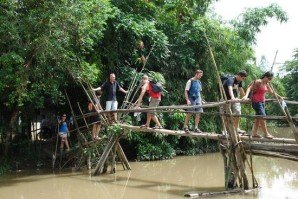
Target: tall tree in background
290,80
42,42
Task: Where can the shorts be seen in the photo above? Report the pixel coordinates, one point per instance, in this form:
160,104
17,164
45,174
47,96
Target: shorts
111,105
259,108
235,108
63,134
153,103
197,101
94,118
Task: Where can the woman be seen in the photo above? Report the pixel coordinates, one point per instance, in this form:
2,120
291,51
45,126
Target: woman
95,118
63,130
154,102
258,89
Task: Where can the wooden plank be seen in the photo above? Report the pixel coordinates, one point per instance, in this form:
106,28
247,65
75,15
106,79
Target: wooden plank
274,154
209,194
273,147
207,135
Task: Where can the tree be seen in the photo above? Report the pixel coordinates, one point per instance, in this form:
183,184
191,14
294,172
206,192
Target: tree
42,44
249,23
290,80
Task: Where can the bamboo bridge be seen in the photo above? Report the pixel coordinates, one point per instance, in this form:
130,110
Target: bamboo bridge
236,150
277,147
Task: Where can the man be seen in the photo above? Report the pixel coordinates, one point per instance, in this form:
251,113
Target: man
232,87
154,102
192,94
111,87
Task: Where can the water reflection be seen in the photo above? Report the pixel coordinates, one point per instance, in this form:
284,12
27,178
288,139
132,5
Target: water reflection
157,179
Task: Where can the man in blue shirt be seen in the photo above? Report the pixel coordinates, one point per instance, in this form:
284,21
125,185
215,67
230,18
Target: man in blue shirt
192,94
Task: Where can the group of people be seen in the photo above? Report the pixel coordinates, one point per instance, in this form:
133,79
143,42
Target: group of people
233,88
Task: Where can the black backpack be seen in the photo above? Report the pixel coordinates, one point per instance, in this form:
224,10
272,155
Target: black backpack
156,86
225,77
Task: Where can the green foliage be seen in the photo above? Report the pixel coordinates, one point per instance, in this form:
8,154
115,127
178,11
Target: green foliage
46,45
155,152
174,120
115,130
290,80
254,18
4,166
42,42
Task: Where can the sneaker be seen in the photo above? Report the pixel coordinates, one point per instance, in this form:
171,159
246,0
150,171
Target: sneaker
186,129
197,130
241,131
96,138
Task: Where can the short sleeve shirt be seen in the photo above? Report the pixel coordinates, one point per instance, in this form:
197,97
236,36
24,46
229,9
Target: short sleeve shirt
188,85
232,81
111,89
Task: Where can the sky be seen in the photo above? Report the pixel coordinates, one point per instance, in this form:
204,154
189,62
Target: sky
274,36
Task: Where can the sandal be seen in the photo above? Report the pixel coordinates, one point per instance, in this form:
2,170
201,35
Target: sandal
144,126
240,131
256,136
157,127
269,136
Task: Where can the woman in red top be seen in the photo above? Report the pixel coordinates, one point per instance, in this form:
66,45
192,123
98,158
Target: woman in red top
154,102
259,89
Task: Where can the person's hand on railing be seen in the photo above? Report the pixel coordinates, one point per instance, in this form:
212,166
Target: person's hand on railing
244,98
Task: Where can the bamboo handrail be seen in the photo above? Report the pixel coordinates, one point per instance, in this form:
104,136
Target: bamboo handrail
286,113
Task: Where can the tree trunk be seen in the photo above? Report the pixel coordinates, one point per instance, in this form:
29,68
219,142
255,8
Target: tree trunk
11,130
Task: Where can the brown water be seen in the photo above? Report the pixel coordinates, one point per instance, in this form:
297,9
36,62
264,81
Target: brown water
278,178
158,179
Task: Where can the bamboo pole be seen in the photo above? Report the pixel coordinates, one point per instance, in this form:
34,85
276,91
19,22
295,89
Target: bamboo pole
105,155
273,147
287,114
86,124
75,121
234,138
210,194
165,109
132,85
97,108
122,156
273,154
207,135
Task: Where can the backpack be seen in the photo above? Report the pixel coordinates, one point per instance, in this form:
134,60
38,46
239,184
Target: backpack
225,77
156,86
194,94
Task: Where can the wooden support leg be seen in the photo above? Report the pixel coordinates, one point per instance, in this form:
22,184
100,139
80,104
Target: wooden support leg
122,156
105,154
113,160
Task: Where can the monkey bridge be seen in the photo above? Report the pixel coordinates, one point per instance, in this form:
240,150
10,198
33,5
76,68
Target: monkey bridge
236,150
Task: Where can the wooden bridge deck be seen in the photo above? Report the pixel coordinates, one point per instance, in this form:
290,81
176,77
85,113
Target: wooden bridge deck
208,135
